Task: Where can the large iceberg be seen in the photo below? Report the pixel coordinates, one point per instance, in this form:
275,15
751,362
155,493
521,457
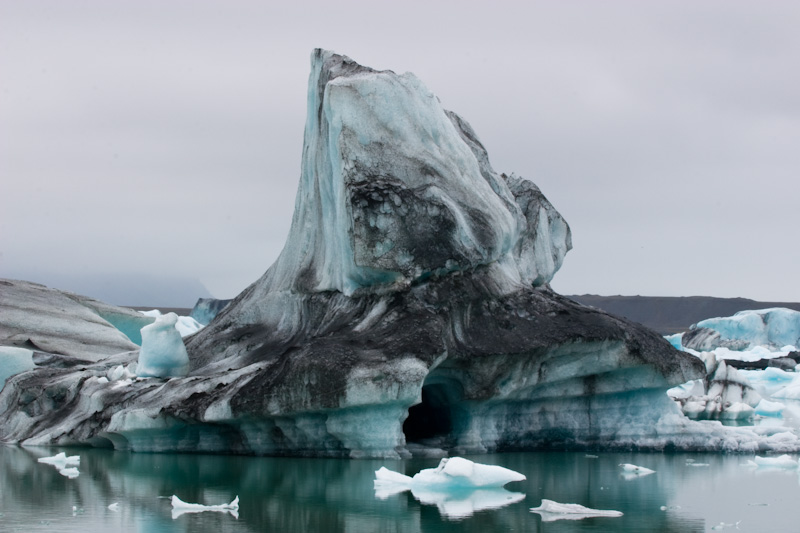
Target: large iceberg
774,328
410,305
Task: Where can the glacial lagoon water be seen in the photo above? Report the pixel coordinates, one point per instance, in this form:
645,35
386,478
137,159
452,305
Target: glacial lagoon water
332,495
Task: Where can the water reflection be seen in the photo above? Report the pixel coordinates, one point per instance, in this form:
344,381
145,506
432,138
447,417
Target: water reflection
287,495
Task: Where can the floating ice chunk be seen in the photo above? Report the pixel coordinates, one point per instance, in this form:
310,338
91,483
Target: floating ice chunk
670,508
180,507
460,472
458,487
590,456
60,460
70,473
783,461
551,511
163,353
768,408
635,470
114,507
698,465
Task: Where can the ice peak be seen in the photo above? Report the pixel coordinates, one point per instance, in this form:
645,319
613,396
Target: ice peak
394,189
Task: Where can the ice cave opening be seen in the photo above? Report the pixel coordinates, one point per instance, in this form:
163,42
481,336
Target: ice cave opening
432,421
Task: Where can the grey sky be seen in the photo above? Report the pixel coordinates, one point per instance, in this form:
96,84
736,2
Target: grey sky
149,136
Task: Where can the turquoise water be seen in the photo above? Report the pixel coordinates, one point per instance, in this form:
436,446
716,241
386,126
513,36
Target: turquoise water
332,495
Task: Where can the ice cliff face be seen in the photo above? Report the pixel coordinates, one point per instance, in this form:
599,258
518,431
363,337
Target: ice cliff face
409,310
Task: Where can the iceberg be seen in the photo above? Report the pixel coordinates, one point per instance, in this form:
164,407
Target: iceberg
774,327
409,311
551,511
179,507
163,353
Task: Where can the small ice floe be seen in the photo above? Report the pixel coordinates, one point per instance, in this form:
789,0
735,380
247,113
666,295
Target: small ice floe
180,507
551,511
783,461
114,507
61,460
452,472
723,525
66,466
670,507
458,487
590,456
698,465
630,471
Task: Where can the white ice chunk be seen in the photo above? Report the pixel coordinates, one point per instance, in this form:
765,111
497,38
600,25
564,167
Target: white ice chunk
783,461
180,507
460,472
61,460
551,511
163,353
458,486
114,507
628,468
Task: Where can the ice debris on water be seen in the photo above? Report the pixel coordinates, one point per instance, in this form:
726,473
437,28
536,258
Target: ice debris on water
551,511
670,507
61,460
66,466
452,472
180,507
114,507
458,486
783,461
635,470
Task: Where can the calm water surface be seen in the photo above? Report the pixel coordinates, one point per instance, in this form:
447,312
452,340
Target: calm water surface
288,495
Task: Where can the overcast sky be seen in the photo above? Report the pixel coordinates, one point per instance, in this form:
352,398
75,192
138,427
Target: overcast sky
164,137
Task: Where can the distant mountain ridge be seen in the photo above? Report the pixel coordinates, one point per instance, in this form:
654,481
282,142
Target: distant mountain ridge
672,314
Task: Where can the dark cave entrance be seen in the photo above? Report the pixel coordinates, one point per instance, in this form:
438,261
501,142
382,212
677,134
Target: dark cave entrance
431,421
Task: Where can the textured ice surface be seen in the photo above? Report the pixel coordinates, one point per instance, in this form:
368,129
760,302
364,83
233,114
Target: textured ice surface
551,511
13,361
775,327
163,353
38,318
